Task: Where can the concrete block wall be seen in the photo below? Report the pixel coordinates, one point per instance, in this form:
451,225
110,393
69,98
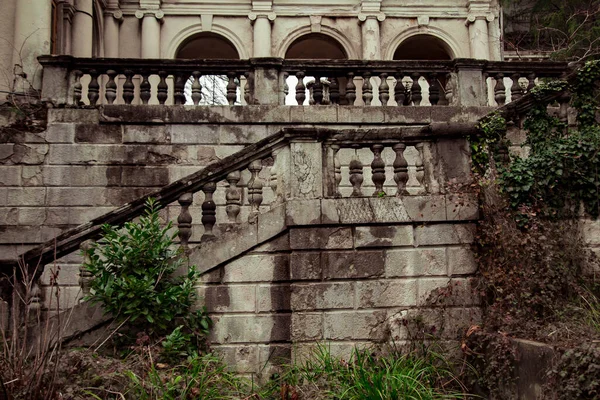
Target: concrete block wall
345,285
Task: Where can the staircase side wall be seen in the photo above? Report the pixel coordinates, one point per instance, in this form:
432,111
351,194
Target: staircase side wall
345,286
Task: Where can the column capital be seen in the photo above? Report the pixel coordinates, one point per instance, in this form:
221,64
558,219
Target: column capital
362,17
472,17
253,16
158,14
116,14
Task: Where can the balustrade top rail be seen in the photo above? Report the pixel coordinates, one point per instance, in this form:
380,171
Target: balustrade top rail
71,240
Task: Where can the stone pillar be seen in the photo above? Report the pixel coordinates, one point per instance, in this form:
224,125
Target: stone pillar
470,86
112,20
262,34
479,37
266,80
32,39
371,43
82,31
150,32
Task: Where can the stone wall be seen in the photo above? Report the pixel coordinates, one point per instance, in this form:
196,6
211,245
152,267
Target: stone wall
344,285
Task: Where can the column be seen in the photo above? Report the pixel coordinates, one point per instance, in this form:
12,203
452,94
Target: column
112,20
479,37
262,34
32,39
371,47
82,31
150,32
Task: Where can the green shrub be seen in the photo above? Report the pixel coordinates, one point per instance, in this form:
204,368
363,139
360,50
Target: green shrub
134,277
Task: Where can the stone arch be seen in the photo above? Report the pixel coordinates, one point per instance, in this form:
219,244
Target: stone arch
444,43
327,35
207,45
217,30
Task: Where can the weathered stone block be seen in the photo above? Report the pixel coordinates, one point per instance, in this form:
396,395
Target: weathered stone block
352,264
591,231
273,298
280,243
428,287
318,296
437,234
242,134
383,236
303,212
251,328
144,176
271,223
68,275
240,358
66,297
230,298
29,153
98,133
355,325
359,114
462,207
61,133
415,262
313,114
66,154
146,134
321,238
425,208
307,326
32,215
10,176
305,266
194,134
27,196
369,210
80,116
55,175
386,293
258,268
407,114
461,261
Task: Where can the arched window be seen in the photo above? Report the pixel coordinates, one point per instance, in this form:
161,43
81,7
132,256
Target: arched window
208,45
423,47
316,46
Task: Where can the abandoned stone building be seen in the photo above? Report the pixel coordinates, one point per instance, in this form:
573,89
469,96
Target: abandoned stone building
317,192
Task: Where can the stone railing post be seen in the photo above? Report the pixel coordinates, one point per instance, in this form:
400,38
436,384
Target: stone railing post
306,169
266,80
470,83
57,80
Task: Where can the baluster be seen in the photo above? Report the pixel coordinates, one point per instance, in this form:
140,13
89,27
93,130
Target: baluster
34,298
179,87
285,89
231,88
531,79
434,89
563,112
356,174
128,87
367,94
184,220
500,90
233,196
378,170
255,186
337,171
399,89
247,92
209,210
300,88
77,87
162,88
420,168
85,276
274,178
516,91
145,88
111,86
334,91
415,89
318,91
93,88
400,169
448,92
196,88
384,89
350,89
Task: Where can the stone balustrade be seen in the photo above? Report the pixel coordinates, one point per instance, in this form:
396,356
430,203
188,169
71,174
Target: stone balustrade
84,81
